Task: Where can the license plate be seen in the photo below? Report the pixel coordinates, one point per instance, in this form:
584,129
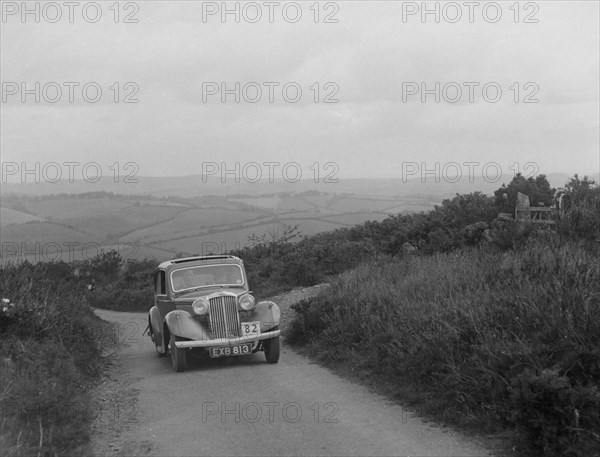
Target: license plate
228,351
250,328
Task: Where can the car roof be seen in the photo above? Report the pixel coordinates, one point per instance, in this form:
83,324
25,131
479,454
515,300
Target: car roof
201,260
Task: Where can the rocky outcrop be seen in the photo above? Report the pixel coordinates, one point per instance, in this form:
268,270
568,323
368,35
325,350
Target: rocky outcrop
407,248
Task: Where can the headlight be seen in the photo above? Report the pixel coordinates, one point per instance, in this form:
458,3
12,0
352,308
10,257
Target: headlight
200,306
247,302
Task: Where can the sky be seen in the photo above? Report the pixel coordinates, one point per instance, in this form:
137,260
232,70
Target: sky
368,74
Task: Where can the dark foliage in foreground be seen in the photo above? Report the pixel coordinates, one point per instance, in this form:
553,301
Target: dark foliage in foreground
49,341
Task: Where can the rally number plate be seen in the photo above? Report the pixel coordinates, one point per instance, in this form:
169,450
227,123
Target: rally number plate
250,328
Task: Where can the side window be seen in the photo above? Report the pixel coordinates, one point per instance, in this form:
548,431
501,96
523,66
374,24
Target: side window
159,283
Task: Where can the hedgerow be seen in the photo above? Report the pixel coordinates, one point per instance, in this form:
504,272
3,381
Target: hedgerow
49,341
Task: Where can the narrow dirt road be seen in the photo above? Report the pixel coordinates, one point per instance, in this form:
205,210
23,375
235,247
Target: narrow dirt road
244,406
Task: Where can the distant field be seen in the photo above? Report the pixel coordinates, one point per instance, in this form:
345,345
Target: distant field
234,239
215,202
269,203
117,223
342,204
317,213
413,207
291,203
319,200
11,216
327,215
355,205
309,227
355,218
193,220
294,204
162,228
75,207
42,240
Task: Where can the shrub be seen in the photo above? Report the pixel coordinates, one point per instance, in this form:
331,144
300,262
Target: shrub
130,288
123,296
582,218
49,344
554,416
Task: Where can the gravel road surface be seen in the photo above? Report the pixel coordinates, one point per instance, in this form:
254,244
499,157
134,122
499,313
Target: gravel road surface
245,407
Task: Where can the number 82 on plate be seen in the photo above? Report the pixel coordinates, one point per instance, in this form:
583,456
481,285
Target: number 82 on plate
250,328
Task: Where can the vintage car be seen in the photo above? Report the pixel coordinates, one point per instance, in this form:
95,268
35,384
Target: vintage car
205,304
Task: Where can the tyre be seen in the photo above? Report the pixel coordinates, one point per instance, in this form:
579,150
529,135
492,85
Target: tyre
272,349
177,355
160,349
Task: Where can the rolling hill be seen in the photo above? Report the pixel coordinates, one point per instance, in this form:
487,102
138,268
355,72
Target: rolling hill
163,217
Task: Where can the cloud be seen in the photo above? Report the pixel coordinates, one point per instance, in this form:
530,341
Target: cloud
367,56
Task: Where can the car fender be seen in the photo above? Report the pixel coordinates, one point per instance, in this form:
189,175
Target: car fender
182,324
155,324
268,313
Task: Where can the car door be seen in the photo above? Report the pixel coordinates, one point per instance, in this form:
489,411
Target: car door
161,298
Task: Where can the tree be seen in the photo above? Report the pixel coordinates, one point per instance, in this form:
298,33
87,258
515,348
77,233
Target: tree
580,189
580,213
467,209
106,265
276,235
538,190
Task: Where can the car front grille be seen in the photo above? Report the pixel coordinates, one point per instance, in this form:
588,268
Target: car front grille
224,318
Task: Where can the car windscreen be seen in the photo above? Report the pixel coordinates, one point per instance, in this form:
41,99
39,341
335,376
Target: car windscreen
205,276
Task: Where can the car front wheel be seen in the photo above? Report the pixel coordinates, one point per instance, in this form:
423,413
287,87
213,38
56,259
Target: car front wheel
177,355
272,349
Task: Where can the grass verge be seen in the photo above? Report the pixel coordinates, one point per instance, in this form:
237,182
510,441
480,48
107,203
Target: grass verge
50,346
498,341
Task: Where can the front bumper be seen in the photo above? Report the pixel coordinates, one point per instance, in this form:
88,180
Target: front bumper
227,341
